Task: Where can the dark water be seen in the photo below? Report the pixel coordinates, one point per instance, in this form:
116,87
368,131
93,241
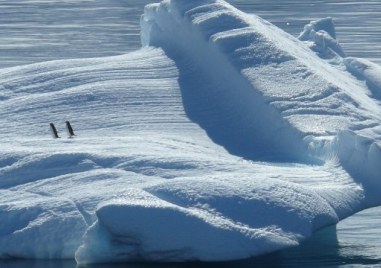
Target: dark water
33,31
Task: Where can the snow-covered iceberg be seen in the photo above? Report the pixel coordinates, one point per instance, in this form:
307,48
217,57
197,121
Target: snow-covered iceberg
222,138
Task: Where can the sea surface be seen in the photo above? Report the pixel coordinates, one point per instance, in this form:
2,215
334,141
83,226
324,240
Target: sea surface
39,30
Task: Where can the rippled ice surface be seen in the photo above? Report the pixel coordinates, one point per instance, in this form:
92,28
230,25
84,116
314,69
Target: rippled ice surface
32,31
43,30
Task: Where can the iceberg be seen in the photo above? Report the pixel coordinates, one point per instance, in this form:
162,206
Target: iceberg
222,138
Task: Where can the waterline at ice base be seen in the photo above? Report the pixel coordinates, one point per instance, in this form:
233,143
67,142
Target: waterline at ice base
222,138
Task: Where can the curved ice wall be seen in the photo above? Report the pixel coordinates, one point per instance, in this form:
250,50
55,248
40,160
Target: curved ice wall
248,74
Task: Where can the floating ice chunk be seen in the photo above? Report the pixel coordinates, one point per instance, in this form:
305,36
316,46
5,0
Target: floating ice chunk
322,37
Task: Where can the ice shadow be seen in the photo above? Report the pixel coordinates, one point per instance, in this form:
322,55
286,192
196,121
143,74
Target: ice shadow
321,250
235,115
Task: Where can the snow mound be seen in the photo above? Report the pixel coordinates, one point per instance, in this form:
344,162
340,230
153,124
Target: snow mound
229,140
367,71
193,219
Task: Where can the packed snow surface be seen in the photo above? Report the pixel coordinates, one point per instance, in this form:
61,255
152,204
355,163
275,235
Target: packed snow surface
222,138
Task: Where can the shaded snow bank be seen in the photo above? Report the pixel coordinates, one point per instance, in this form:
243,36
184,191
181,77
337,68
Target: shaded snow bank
268,76
215,95
367,71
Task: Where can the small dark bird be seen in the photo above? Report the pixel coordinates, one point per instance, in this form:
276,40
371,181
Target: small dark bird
54,131
69,129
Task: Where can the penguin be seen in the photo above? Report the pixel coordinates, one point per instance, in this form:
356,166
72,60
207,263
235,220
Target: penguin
54,131
69,129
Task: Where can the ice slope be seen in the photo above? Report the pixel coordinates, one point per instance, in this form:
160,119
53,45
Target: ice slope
224,143
137,153
317,110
